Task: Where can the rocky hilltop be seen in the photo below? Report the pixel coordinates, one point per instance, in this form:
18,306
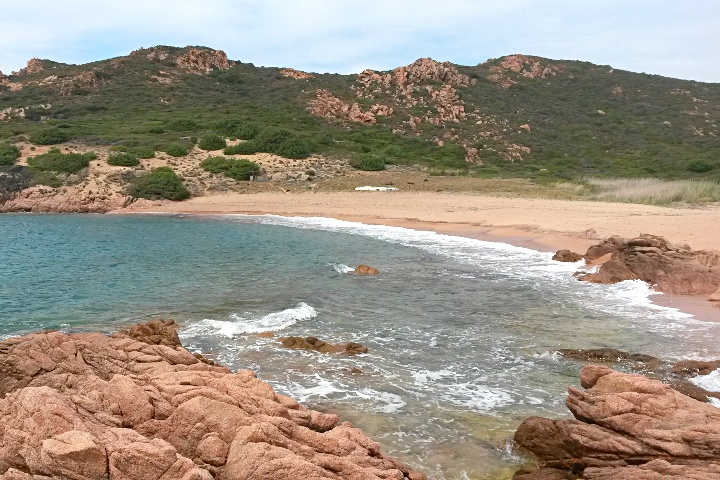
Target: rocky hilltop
137,405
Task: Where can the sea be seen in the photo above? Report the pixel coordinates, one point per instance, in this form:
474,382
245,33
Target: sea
462,334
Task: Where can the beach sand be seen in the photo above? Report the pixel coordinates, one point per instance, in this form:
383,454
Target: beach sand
540,224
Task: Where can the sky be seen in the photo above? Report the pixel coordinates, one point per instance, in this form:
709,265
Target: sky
664,37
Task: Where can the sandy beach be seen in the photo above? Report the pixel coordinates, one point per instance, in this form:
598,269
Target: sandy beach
541,224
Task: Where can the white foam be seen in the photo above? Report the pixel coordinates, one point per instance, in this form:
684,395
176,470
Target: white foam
322,388
427,376
710,382
477,397
238,325
388,402
342,268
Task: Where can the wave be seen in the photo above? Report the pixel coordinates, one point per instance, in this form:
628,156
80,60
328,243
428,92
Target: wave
239,325
342,268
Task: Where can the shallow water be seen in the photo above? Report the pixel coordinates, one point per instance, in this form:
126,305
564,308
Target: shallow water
461,332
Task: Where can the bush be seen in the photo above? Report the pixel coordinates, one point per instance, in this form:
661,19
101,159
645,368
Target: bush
237,169
244,148
123,159
50,136
369,162
159,183
246,131
212,142
49,179
700,166
270,140
8,154
156,130
294,148
176,150
183,125
119,148
142,152
54,161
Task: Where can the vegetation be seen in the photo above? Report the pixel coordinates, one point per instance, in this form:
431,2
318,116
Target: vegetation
8,154
142,152
244,148
653,191
237,169
50,136
159,183
56,161
212,142
369,162
176,150
123,159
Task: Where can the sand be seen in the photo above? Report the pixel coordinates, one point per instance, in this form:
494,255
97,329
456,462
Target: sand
541,224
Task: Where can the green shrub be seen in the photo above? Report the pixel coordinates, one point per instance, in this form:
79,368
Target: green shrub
176,150
212,142
55,161
294,148
227,127
49,179
50,136
183,125
159,183
123,159
369,162
237,169
142,151
246,131
244,148
8,154
119,148
156,130
700,166
270,140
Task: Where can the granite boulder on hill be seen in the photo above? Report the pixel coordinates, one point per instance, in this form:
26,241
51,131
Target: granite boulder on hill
137,405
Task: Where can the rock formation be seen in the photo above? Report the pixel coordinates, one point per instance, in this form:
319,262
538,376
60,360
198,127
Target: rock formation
327,105
520,65
365,270
567,256
136,405
203,61
41,199
296,74
34,65
627,427
669,268
312,343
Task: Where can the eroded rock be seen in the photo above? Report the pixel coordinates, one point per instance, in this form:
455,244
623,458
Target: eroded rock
312,343
365,270
137,405
567,256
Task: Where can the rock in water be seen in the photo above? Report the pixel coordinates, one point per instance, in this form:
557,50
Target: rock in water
627,427
366,270
567,256
312,343
137,405
653,259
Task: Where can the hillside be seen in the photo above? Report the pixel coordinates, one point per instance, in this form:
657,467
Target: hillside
516,116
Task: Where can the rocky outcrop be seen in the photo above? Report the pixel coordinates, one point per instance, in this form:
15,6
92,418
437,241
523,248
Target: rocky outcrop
365,270
506,72
34,65
327,105
420,70
296,74
312,343
627,427
203,61
669,268
567,256
41,199
91,406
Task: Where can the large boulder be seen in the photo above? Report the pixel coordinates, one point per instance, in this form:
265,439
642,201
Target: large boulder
669,268
312,343
627,427
137,405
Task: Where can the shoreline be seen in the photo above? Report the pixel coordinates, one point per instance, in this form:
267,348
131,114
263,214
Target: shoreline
399,211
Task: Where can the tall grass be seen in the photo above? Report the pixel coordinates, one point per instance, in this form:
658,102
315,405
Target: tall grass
653,191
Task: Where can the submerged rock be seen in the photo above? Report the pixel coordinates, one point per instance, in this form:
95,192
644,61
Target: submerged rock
366,270
312,343
627,427
669,268
137,405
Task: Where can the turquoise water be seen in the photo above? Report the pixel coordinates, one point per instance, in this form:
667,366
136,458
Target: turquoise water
461,333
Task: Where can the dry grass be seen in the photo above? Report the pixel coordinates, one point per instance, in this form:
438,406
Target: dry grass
652,191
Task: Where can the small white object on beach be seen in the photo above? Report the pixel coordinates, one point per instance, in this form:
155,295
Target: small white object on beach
376,189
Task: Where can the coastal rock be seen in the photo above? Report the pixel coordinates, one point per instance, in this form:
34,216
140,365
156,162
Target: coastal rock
137,405
627,426
202,61
670,269
365,270
41,199
312,343
715,297
567,256
606,355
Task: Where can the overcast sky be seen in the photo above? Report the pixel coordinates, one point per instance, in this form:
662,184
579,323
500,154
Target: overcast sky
665,37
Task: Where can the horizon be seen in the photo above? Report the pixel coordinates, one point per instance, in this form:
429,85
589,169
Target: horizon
321,36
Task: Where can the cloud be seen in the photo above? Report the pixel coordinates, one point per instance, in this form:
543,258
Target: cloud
655,36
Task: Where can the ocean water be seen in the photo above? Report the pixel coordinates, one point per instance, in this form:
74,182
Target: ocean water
462,333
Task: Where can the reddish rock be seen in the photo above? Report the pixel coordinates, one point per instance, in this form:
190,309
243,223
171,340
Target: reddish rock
312,343
41,199
366,270
653,259
296,74
137,405
695,367
203,61
628,426
567,256
34,65
715,297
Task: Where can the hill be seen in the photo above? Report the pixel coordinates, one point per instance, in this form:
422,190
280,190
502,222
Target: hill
516,116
